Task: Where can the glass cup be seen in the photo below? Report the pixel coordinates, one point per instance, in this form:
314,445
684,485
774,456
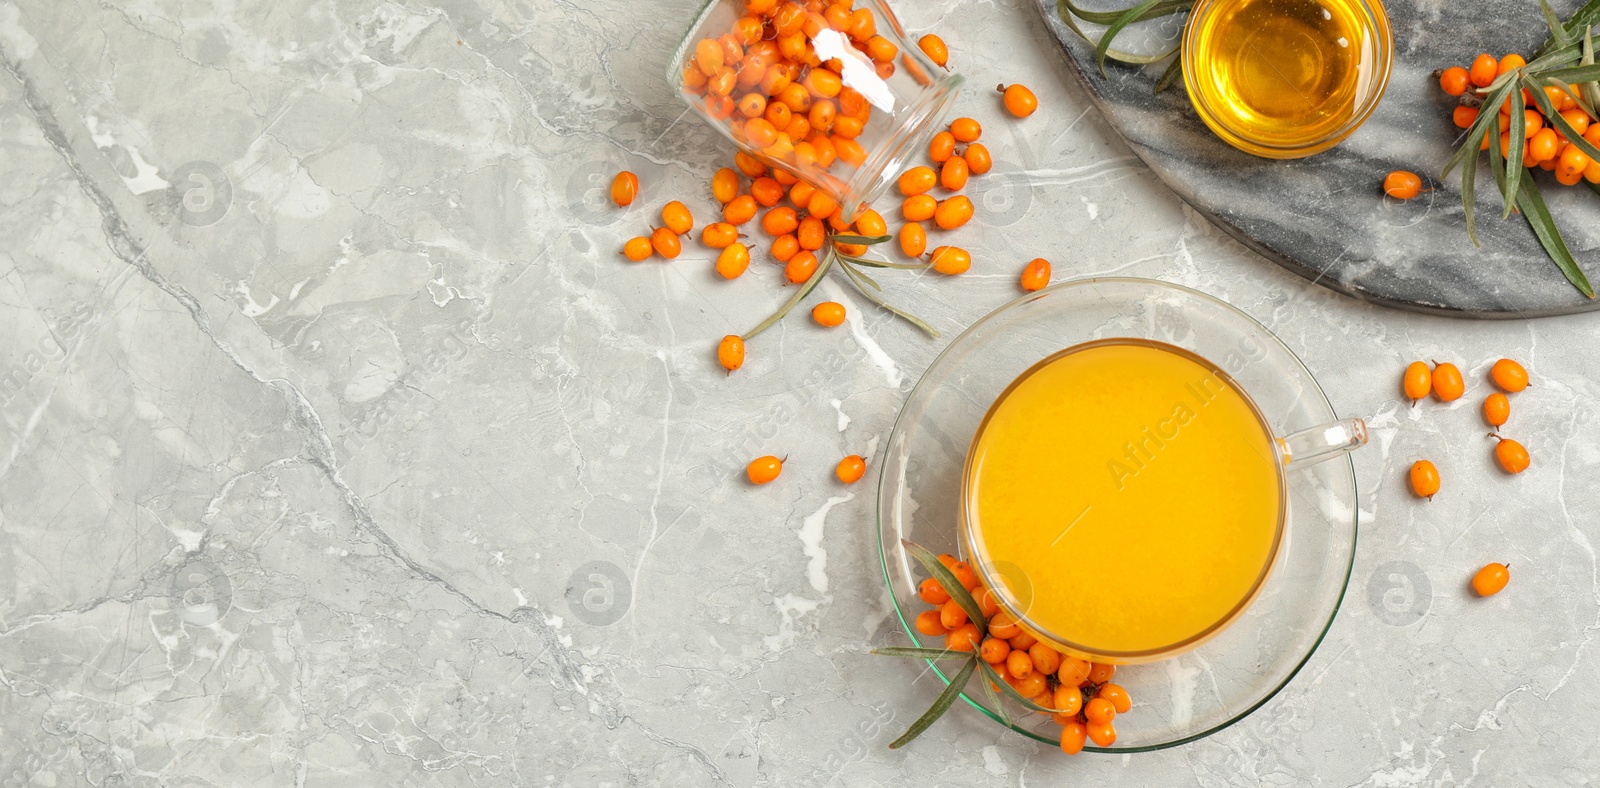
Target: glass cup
1016,580
1285,79
832,94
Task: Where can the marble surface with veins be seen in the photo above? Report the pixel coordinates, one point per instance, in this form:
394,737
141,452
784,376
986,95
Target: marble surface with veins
1323,217
338,446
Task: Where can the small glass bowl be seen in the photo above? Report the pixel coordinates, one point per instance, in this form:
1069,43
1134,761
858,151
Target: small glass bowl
874,104
1372,79
1222,681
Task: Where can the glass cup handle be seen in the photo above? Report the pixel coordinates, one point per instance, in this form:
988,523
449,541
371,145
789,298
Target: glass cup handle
1326,441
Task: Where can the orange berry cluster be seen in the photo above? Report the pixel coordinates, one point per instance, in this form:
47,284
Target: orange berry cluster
1445,382
1544,145
919,205
765,78
1081,691
762,470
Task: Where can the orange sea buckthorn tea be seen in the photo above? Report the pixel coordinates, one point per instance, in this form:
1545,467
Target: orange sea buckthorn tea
1125,499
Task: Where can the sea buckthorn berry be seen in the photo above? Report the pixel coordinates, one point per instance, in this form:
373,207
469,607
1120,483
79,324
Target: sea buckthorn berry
913,239
719,107
1496,409
1532,122
994,650
821,116
830,314
850,151
1002,625
931,592
953,175
1073,736
950,260
760,132
764,469
1572,163
1544,145
720,85
821,204
665,242
739,210
1508,63
1019,663
953,213
870,224
733,260
965,129
1484,69
749,165
766,191
1022,641
1448,385
1402,185
781,220
1424,479
917,180
988,603
928,623
811,233
708,56
1509,375
1454,80
800,193
637,249
730,353
822,82
978,159
752,105
941,147
933,46
1417,381
784,247
719,235
1019,100
1491,579
725,185
1576,118
1101,672
952,615
624,188
850,469
1045,659
1512,456
1099,709
1036,274
963,572
1103,734
848,127
1463,116
963,638
1555,95
919,207
1068,699
800,267
694,80
948,560
1119,697
1073,671
1032,684
779,115
850,250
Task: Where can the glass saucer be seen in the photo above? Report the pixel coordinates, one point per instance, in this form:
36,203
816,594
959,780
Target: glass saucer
1205,690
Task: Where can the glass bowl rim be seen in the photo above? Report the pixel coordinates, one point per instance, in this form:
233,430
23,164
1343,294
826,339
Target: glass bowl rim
960,339
1379,15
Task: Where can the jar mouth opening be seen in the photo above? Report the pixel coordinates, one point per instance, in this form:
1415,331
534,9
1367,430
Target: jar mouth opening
1374,17
910,136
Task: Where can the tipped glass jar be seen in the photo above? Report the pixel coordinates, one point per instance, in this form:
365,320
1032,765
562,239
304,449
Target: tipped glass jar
833,93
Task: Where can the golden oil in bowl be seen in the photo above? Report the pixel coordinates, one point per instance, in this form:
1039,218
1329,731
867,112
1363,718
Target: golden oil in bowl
1286,78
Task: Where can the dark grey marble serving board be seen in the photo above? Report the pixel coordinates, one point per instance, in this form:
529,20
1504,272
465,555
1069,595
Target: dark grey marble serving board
1324,217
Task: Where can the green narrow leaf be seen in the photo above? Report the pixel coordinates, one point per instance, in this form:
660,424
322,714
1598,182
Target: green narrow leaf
939,707
1469,179
1558,31
989,674
1582,101
1497,165
903,315
1171,75
1571,73
859,277
1583,19
940,572
1591,89
994,700
805,289
1127,18
860,239
920,653
1555,57
1166,8
1544,227
1117,54
1560,123
884,264
1516,142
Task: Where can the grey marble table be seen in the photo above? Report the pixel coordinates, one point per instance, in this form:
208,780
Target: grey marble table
339,447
